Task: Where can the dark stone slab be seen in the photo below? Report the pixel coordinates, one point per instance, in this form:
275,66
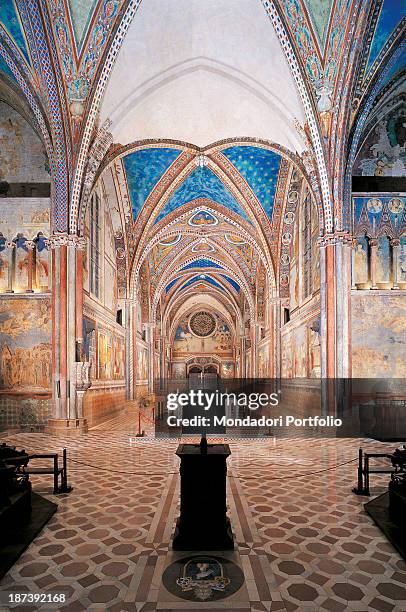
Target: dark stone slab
378,510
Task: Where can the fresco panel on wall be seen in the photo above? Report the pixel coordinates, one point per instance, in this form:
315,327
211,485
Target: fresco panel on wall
378,350
25,345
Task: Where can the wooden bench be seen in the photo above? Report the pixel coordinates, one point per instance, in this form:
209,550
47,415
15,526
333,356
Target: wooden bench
56,470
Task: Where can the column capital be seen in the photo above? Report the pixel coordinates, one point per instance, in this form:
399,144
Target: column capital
373,242
395,242
9,244
72,240
30,244
335,238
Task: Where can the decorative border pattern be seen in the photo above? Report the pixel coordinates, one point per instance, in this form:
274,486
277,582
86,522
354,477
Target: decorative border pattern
128,16
309,112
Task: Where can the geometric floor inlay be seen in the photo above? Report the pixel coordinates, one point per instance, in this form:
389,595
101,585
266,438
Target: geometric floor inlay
302,539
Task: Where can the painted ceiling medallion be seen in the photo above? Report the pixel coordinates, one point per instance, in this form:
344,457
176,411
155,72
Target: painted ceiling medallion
289,217
285,259
202,324
293,197
171,240
233,239
203,217
286,238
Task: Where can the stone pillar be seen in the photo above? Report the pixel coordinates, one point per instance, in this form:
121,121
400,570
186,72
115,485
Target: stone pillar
275,324
162,357
65,332
30,244
71,328
395,243
343,308
149,327
129,323
335,313
133,355
353,279
254,349
79,302
243,357
374,252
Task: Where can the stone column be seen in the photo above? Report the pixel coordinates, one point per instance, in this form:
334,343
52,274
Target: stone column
353,279
374,253
128,319
275,320
343,308
30,244
79,301
151,355
395,243
65,418
254,349
335,312
243,357
162,357
71,328
133,355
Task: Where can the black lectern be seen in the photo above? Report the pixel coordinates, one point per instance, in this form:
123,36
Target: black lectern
203,523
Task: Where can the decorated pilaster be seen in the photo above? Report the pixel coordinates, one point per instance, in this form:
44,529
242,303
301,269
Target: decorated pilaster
275,324
70,382
129,348
243,362
162,357
149,328
353,271
335,305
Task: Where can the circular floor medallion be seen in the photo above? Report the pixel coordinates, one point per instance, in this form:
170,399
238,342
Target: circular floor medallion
202,324
203,578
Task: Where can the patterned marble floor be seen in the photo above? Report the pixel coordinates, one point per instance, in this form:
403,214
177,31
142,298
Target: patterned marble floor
303,539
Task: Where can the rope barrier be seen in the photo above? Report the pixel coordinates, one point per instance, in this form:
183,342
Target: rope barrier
97,467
